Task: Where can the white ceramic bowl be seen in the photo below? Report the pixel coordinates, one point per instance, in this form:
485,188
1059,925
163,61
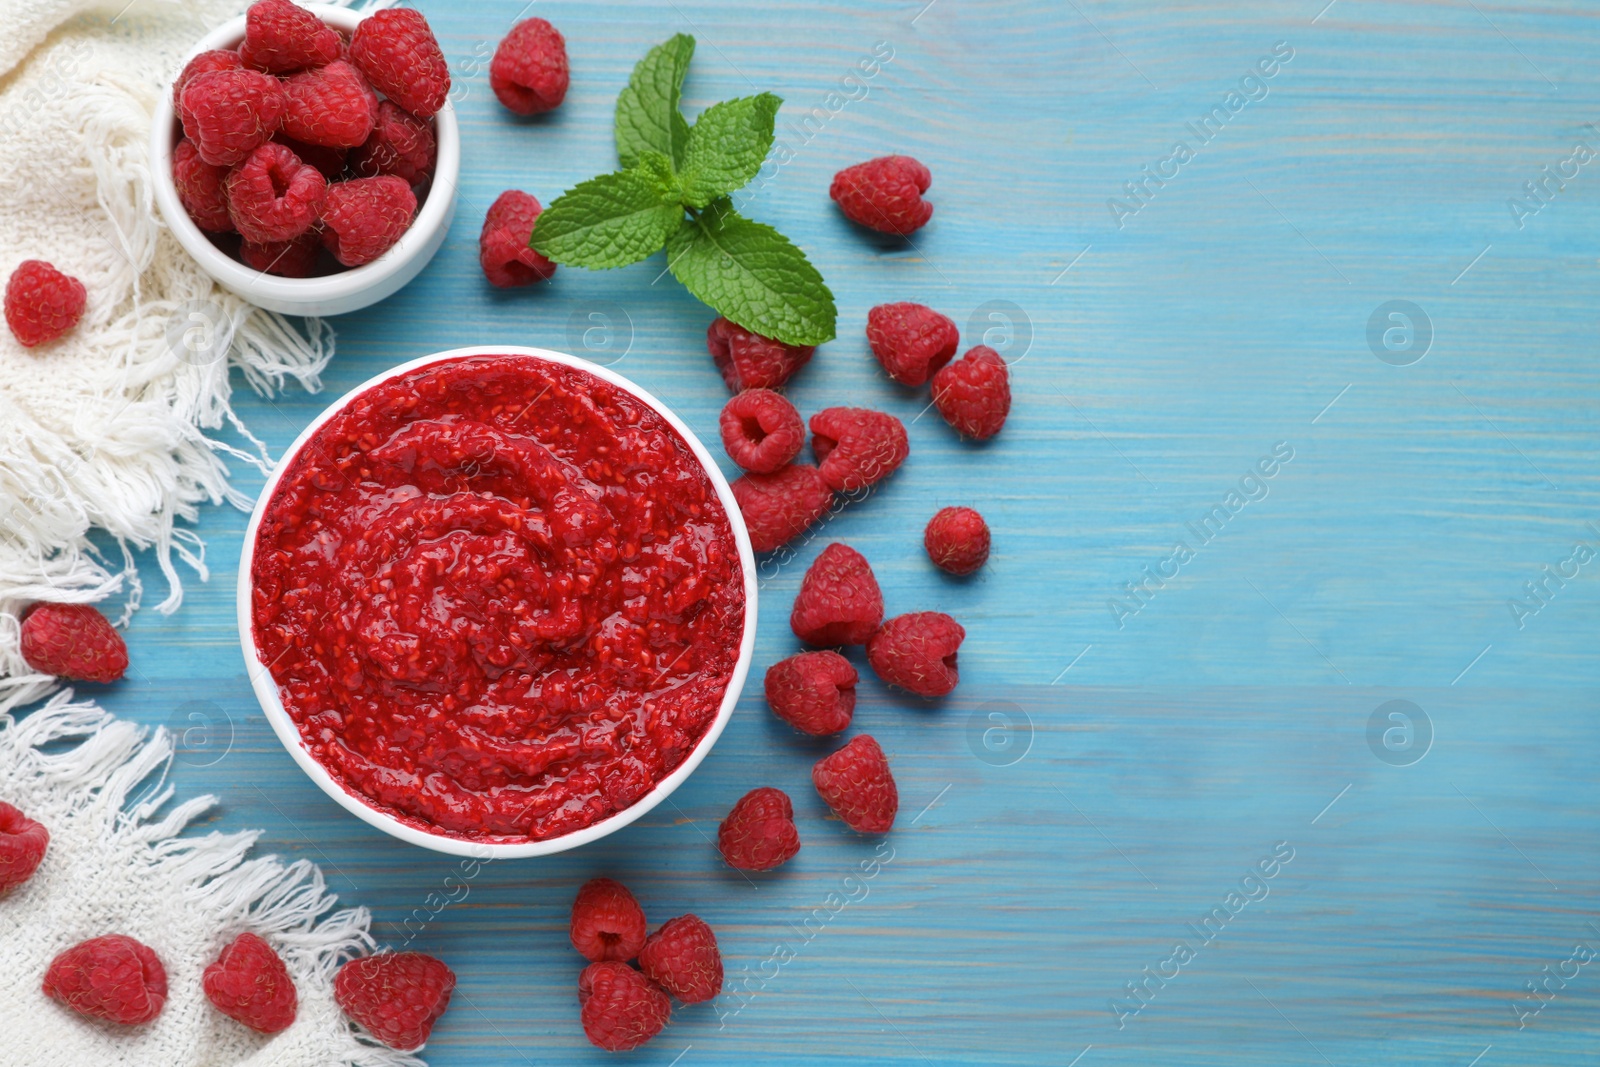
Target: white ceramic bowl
267,690
334,294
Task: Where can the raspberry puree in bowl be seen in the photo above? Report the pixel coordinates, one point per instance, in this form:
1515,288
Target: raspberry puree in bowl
500,597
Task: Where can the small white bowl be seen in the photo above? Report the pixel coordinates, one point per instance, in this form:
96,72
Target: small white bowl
334,294
266,687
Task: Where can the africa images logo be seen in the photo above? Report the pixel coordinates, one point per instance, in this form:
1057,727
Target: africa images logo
1153,177
1254,886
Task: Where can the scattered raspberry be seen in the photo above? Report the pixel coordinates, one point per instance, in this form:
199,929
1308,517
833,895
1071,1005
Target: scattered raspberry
398,53
974,393
911,341
280,38
884,194
204,63
202,188
761,430
856,447
250,984
749,361
397,996
328,161
683,959
607,922
778,506
22,846
287,259
42,303
621,1009
917,652
73,641
273,196
401,144
855,782
331,106
957,540
839,602
113,977
529,69
227,113
815,692
363,218
503,250
759,833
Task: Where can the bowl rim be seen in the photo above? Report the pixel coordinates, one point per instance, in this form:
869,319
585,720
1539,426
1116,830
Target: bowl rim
266,689
434,212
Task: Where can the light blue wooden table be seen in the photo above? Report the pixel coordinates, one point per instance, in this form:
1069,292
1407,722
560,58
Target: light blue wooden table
1145,761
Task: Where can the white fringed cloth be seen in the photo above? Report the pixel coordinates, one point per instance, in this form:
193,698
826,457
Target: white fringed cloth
115,426
116,865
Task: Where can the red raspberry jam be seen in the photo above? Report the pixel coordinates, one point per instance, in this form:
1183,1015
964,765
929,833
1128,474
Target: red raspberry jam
499,596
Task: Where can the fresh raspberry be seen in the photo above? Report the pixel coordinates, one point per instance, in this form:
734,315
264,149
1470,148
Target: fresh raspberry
607,922
22,846
884,194
957,540
227,113
397,996
911,341
503,250
974,393
281,38
761,430
202,188
328,161
529,69
839,602
298,258
917,652
73,641
621,1009
250,984
332,106
204,63
364,217
42,303
855,782
759,833
401,144
113,977
683,959
273,196
779,506
398,53
749,361
815,692
856,447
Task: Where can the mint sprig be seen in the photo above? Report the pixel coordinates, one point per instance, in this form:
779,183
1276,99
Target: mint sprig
615,219
673,194
648,119
751,273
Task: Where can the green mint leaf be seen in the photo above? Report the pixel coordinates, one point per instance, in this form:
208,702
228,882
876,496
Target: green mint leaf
612,220
727,146
648,119
753,275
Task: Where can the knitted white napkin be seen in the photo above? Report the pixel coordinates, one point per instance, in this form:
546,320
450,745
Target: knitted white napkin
111,426
116,866
108,428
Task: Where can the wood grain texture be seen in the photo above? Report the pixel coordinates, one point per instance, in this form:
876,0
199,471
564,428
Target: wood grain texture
1168,755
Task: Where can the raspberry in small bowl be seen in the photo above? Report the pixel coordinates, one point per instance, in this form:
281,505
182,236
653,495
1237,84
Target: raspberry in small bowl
497,601
307,157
